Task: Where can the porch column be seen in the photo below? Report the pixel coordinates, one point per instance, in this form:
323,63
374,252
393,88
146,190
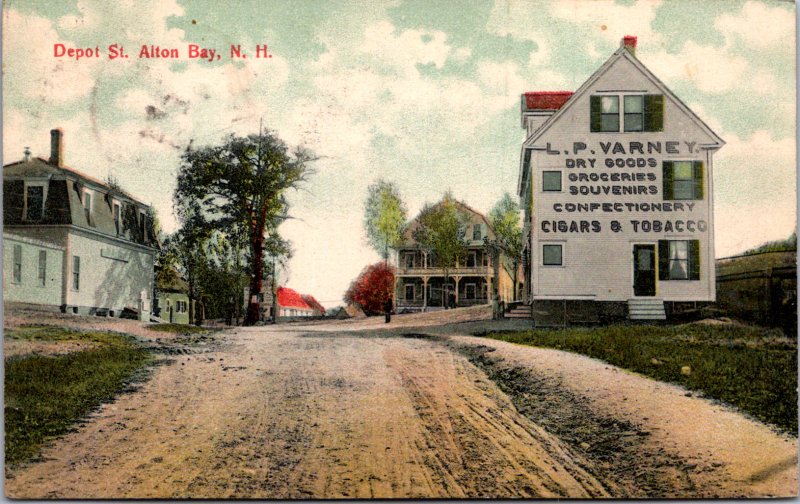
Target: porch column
424,293
457,279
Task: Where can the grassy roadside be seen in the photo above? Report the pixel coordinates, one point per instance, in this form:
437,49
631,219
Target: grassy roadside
46,395
751,368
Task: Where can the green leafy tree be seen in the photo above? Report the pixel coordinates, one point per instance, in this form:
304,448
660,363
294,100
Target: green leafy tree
384,216
186,249
243,182
441,231
505,220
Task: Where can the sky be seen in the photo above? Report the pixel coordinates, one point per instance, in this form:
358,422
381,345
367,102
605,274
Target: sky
422,93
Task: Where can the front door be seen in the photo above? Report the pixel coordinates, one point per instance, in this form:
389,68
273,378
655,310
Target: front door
644,270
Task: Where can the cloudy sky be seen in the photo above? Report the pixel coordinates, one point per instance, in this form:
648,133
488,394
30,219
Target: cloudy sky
423,93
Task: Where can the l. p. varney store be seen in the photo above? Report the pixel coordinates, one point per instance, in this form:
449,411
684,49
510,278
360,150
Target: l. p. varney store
616,183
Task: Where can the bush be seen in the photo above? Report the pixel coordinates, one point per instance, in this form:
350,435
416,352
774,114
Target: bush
372,288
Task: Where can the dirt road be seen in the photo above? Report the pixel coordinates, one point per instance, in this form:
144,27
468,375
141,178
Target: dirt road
348,411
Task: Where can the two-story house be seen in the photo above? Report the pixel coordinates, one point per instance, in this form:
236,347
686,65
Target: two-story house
72,242
420,282
616,182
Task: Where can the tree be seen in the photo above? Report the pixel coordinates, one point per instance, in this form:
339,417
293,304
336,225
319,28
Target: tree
186,248
384,216
372,287
243,182
504,218
441,231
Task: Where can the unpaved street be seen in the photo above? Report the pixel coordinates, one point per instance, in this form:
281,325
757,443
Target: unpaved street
348,410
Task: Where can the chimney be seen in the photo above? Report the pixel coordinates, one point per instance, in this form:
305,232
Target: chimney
56,147
629,43
27,153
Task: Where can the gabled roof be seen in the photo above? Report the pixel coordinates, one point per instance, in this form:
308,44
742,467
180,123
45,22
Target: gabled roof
622,52
463,207
289,298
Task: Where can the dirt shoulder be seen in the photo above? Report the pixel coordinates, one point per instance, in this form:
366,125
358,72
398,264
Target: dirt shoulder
655,439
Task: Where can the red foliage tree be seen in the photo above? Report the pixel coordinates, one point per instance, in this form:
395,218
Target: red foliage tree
373,286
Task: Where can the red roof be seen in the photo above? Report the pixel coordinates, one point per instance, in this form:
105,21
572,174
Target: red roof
290,298
546,100
313,303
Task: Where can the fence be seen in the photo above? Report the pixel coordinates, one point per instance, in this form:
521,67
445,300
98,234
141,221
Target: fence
760,288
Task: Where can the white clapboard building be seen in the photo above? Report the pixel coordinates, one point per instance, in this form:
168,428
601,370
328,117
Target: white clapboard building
616,182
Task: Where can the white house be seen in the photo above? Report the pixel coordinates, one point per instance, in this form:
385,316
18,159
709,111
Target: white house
616,180
72,242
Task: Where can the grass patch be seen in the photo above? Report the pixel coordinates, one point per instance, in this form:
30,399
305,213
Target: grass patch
46,395
751,368
54,333
177,328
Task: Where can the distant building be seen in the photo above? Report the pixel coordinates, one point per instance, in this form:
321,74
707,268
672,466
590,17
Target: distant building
292,304
616,181
72,242
420,281
172,298
265,300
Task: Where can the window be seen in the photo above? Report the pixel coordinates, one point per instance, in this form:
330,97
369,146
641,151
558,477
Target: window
17,263
116,216
605,113
683,180
87,207
551,181
34,202
640,112
476,232
410,291
472,259
552,255
76,273
408,259
470,291
679,260
42,267
634,113
142,219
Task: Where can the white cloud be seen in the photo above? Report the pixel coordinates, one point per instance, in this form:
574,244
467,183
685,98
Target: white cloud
759,26
33,71
754,182
611,20
711,69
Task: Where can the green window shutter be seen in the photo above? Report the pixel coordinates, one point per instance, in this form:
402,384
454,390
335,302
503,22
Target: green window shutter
694,274
668,180
699,192
596,113
663,260
654,113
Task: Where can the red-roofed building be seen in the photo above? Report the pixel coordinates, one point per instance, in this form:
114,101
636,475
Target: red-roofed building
293,304
319,310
